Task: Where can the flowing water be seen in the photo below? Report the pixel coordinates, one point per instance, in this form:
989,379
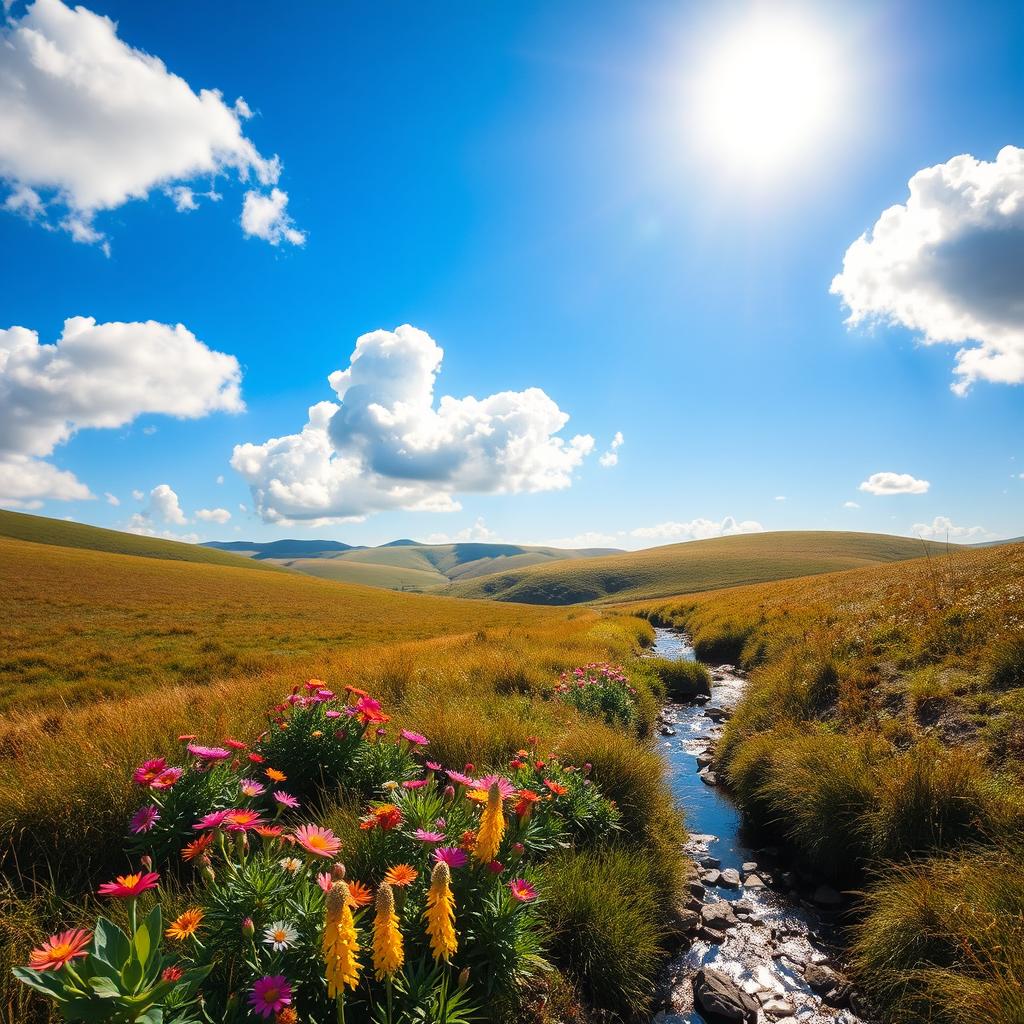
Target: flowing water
781,934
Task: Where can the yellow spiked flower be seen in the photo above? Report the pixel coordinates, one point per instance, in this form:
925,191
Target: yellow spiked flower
492,827
388,955
341,943
440,914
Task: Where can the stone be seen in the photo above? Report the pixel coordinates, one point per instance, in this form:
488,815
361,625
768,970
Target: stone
833,989
730,878
749,865
718,916
711,877
696,889
710,862
667,730
721,1000
753,882
708,777
713,935
826,896
705,760
688,920
778,1008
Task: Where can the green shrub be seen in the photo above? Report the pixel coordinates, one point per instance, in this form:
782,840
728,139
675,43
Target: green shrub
681,679
604,911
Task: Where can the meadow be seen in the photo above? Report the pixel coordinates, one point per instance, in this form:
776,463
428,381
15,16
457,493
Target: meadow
692,567
882,737
479,680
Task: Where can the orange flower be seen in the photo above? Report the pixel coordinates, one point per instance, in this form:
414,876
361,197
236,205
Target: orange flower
478,796
360,895
401,875
275,776
59,950
386,816
186,924
556,787
468,839
197,847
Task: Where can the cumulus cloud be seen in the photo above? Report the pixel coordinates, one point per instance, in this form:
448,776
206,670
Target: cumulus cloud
164,509
97,375
611,456
479,532
893,483
590,539
112,499
213,515
265,217
138,495
387,444
696,529
949,264
850,504
942,528
88,123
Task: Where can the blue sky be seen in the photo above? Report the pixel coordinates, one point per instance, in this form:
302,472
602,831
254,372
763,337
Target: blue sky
528,184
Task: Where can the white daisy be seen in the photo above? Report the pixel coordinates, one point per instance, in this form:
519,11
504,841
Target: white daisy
280,935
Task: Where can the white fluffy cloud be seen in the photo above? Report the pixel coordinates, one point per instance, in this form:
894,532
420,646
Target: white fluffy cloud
265,217
213,515
164,508
97,375
611,456
479,532
590,539
87,123
893,483
949,263
112,499
696,529
942,528
385,444
850,505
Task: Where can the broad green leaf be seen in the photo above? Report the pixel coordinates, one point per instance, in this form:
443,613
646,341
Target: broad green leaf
105,988
110,944
131,975
143,944
49,982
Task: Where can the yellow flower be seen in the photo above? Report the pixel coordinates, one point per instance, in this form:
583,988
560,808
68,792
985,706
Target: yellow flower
185,925
388,955
341,943
492,827
440,914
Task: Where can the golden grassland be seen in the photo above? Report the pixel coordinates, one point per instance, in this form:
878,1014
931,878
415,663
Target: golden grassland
40,530
476,678
692,567
882,734
78,625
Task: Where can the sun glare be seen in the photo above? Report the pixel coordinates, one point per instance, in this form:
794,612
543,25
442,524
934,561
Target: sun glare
767,92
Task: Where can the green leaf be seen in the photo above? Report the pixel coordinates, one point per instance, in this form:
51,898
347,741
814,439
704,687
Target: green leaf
154,1015
143,944
110,944
105,988
48,982
131,975
154,926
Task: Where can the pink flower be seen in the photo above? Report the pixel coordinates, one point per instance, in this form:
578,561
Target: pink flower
414,784
325,880
504,786
285,799
212,820
167,778
332,714
148,771
460,778
415,739
250,787
144,819
451,855
495,867
433,766
270,995
321,842
129,886
210,754
522,890
428,837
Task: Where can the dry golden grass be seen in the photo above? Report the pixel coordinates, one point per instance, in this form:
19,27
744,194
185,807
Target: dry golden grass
79,625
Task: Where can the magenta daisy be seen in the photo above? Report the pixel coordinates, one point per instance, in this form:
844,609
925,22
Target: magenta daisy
285,799
505,787
414,784
451,855
428,837
522,890
460,778
210,754
415,739
433,766
325,880
321,842
167,778
148,771
270,995
144,819
212,820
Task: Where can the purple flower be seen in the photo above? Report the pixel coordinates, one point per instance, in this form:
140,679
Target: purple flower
415,739
270,995
451,855
250,787
332,714
144,819
208,753
428,837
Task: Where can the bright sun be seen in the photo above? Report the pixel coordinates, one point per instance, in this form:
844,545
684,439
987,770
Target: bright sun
766,93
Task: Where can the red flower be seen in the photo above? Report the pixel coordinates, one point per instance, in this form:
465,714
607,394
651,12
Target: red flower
556,787
60,950
129,886
171,974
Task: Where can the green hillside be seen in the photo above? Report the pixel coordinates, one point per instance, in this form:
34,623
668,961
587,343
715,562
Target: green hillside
693,566
405,565
40,530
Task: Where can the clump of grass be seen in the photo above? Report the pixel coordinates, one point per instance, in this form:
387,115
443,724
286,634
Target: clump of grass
605,915
1006,669
943,940
680,679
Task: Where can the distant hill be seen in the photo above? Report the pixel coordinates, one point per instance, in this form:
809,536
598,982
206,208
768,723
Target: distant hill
281,548
405,564
691,567
41,530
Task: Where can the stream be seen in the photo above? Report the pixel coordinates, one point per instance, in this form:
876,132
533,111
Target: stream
763,935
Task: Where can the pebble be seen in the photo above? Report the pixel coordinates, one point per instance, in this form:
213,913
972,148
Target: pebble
730,878
753,882
711,877
710,862
749,866
708,777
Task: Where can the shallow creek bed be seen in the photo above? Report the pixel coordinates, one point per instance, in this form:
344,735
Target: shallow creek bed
760,935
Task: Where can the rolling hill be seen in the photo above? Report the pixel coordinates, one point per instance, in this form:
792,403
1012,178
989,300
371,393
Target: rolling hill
405,564
691,567
60,532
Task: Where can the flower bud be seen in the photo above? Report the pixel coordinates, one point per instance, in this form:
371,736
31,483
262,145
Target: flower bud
464,977
338,871
248,928
209,874
147,862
